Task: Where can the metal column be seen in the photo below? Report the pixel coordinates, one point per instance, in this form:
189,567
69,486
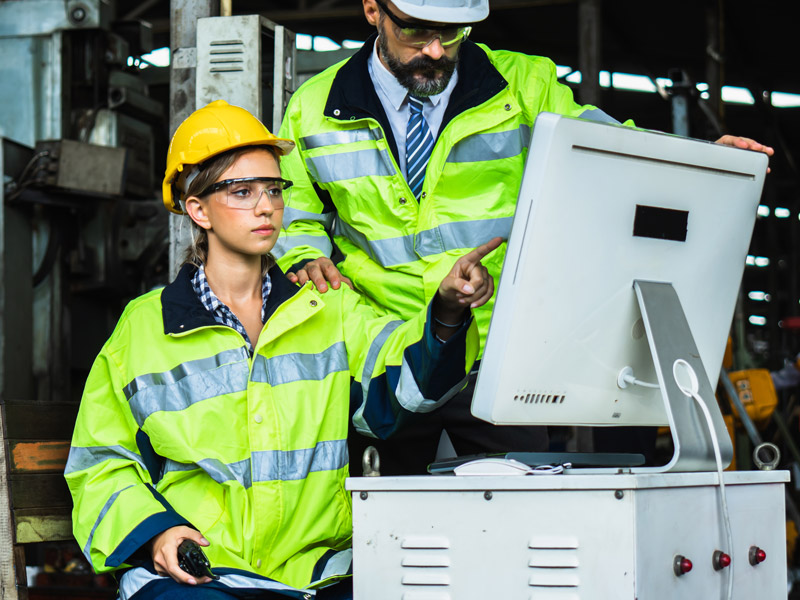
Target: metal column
715,64
182,87
589,50
16,335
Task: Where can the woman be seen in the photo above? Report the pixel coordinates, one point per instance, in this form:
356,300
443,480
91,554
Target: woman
218,410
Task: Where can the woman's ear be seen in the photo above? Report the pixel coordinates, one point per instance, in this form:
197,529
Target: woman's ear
197,212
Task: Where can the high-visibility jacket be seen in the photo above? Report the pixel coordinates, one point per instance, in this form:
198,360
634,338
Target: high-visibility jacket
179,425
347,184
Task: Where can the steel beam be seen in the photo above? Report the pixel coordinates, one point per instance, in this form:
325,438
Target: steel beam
715,62
182,88
589,50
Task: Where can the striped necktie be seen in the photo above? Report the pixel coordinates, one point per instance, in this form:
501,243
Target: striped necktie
419,143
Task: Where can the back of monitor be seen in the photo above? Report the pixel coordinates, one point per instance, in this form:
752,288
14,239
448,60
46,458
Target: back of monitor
566,319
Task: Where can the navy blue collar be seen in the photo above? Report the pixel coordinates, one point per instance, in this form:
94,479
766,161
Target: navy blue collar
182,310
353,94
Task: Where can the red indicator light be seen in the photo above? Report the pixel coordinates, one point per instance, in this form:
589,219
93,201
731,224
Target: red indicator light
756,555
721,560
681,565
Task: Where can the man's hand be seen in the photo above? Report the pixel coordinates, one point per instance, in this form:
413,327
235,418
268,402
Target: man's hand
468,284
746,144
164,550
320,272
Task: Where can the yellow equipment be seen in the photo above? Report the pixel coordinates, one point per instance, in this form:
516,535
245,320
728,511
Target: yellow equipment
757,393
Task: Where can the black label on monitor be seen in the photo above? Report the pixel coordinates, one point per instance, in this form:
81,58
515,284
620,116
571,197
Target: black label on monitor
660,223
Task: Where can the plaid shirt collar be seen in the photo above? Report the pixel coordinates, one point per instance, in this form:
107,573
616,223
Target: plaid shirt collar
222,314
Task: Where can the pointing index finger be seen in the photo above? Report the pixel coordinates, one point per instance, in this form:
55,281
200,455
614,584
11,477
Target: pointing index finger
481,251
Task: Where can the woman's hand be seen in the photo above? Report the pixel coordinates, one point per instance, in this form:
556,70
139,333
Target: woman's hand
467,285
164,550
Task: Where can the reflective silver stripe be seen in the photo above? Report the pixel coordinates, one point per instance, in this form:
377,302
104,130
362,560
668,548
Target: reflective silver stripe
462,234
366,376
387,252
409,396
86,458
360,423
290,215
287,368
349,165
448,236
103,511
183,370
216,469
372,356
173,466
293,465
290,242
243,581
135,579
481,147
340,563
188,383
221,472
271,465
339,137
595,114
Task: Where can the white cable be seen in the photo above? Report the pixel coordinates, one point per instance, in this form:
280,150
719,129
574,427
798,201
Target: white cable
626,378
549,469
692,391
644,384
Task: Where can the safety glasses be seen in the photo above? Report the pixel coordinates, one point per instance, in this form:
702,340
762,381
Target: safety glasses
245,193
411,34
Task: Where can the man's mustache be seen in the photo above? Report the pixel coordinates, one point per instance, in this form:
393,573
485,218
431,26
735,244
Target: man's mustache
428,65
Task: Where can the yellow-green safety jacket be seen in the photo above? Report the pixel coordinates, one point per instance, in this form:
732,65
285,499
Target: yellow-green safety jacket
348,187
179,425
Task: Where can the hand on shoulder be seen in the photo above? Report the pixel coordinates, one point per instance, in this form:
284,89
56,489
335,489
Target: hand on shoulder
320,272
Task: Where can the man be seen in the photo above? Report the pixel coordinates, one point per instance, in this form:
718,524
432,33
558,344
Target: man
415,149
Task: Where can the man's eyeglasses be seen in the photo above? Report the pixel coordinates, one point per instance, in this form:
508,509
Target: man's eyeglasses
245,193
412,34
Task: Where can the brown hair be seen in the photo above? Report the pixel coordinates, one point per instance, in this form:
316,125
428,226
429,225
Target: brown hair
197,251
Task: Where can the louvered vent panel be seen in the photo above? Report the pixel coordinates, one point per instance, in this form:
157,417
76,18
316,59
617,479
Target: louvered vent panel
554,568
226,56
426,565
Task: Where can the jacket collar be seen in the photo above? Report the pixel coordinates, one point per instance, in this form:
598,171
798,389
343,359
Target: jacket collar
182,310
353,95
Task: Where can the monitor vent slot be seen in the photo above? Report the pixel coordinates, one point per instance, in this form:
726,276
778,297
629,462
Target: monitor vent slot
540,397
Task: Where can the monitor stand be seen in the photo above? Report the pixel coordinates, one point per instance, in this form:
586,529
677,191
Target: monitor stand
671,339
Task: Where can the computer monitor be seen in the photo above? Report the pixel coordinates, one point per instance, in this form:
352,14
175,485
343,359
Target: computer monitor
601,207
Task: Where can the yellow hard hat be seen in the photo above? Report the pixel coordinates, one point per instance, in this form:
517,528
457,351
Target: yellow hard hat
208,131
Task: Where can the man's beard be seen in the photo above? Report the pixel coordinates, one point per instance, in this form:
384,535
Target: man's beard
421,76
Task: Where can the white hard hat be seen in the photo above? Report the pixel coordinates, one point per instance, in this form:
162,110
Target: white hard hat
445,11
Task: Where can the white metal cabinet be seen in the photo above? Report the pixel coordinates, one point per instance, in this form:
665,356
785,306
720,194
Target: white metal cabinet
564,537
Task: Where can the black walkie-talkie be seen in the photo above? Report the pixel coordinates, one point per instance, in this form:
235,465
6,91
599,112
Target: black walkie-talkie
192,559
